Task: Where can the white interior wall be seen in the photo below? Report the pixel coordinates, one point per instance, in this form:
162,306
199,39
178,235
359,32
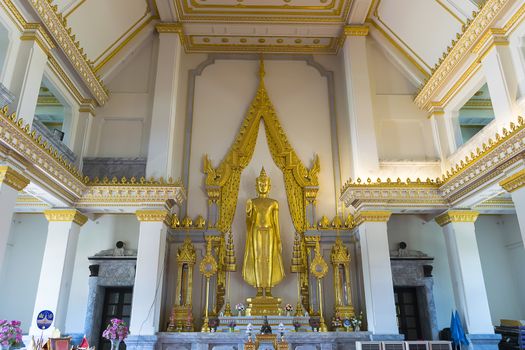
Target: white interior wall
501,253
24,257
121,126
403,132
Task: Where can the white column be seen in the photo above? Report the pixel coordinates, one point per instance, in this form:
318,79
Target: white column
83,132
465,269
443,132
58,262
147,291
359,96
27,77
377,272
515,184
11,182
501,80
162,132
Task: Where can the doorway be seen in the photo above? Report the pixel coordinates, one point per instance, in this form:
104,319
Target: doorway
407,312
117,304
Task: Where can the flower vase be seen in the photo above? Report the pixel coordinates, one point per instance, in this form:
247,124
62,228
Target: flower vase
232,329
288,313
115,344
5,347
357,329
239,313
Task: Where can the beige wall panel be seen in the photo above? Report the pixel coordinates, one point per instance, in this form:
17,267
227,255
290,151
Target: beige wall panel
100,23
428,33
222,95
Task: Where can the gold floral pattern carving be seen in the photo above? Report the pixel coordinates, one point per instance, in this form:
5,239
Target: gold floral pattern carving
12,178
372,216
153,216
65,215
456,216
297,178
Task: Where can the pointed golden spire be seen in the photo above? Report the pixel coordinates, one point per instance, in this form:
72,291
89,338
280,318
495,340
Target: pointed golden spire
261,69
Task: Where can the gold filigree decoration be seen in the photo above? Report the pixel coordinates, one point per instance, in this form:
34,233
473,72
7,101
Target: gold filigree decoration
456,216
153,216
12,178
514,182
65,215
297,178
372,216
208,266
186,253
318,267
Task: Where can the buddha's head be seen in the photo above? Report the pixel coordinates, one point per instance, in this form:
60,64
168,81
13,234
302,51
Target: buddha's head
263,183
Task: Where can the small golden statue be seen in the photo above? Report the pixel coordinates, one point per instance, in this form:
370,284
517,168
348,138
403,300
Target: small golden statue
263,265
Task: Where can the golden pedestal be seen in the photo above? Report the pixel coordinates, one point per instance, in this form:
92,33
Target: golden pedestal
267,339
263,305
344,311
181,319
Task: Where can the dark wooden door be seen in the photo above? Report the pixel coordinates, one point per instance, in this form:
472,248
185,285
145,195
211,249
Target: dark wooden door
407,312
117,304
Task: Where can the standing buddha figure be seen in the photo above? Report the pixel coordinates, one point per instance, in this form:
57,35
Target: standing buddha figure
263,264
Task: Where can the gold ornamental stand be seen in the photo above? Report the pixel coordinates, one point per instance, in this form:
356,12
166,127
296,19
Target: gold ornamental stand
297,267
319,268
208,267
229,266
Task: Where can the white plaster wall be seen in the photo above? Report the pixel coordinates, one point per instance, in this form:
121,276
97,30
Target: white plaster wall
501,249
121,127
403,132
19,277
97,235
21,271
501,253
222,95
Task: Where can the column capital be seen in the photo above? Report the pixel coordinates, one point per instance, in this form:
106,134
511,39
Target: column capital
350,30
173,27
152,215
514,182
12,178
372,216
456,216
65,215
88,106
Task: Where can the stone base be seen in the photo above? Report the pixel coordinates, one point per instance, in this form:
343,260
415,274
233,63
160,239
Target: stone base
484,341
264,306
236,341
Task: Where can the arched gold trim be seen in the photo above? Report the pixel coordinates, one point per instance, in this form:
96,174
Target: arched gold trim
297,178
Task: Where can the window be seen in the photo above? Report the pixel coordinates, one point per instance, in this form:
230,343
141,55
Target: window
475,114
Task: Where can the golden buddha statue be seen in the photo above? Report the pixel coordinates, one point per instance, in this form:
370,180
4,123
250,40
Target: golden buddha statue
263,264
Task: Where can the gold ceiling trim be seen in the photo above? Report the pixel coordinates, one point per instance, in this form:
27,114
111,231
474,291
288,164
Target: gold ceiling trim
235,43
77,5
473,31
376,14
57,26
400,49
264,13
48,101
242,6
136,23
226,177
124,42
445,7
70,86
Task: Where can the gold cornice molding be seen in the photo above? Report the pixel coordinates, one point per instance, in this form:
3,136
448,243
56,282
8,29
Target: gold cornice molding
48,101
172,27
147,215
56,25
469,39
65,215
514,182
355,30
372,216
453,216
35,32
12,178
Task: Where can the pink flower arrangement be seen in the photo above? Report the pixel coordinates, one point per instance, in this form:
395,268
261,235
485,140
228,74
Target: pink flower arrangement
288,308
10,333
116,330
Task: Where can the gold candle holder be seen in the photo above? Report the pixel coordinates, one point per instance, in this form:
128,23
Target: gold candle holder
319,268
208,267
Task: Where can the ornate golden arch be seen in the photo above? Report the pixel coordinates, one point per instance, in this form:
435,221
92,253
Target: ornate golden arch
300,182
